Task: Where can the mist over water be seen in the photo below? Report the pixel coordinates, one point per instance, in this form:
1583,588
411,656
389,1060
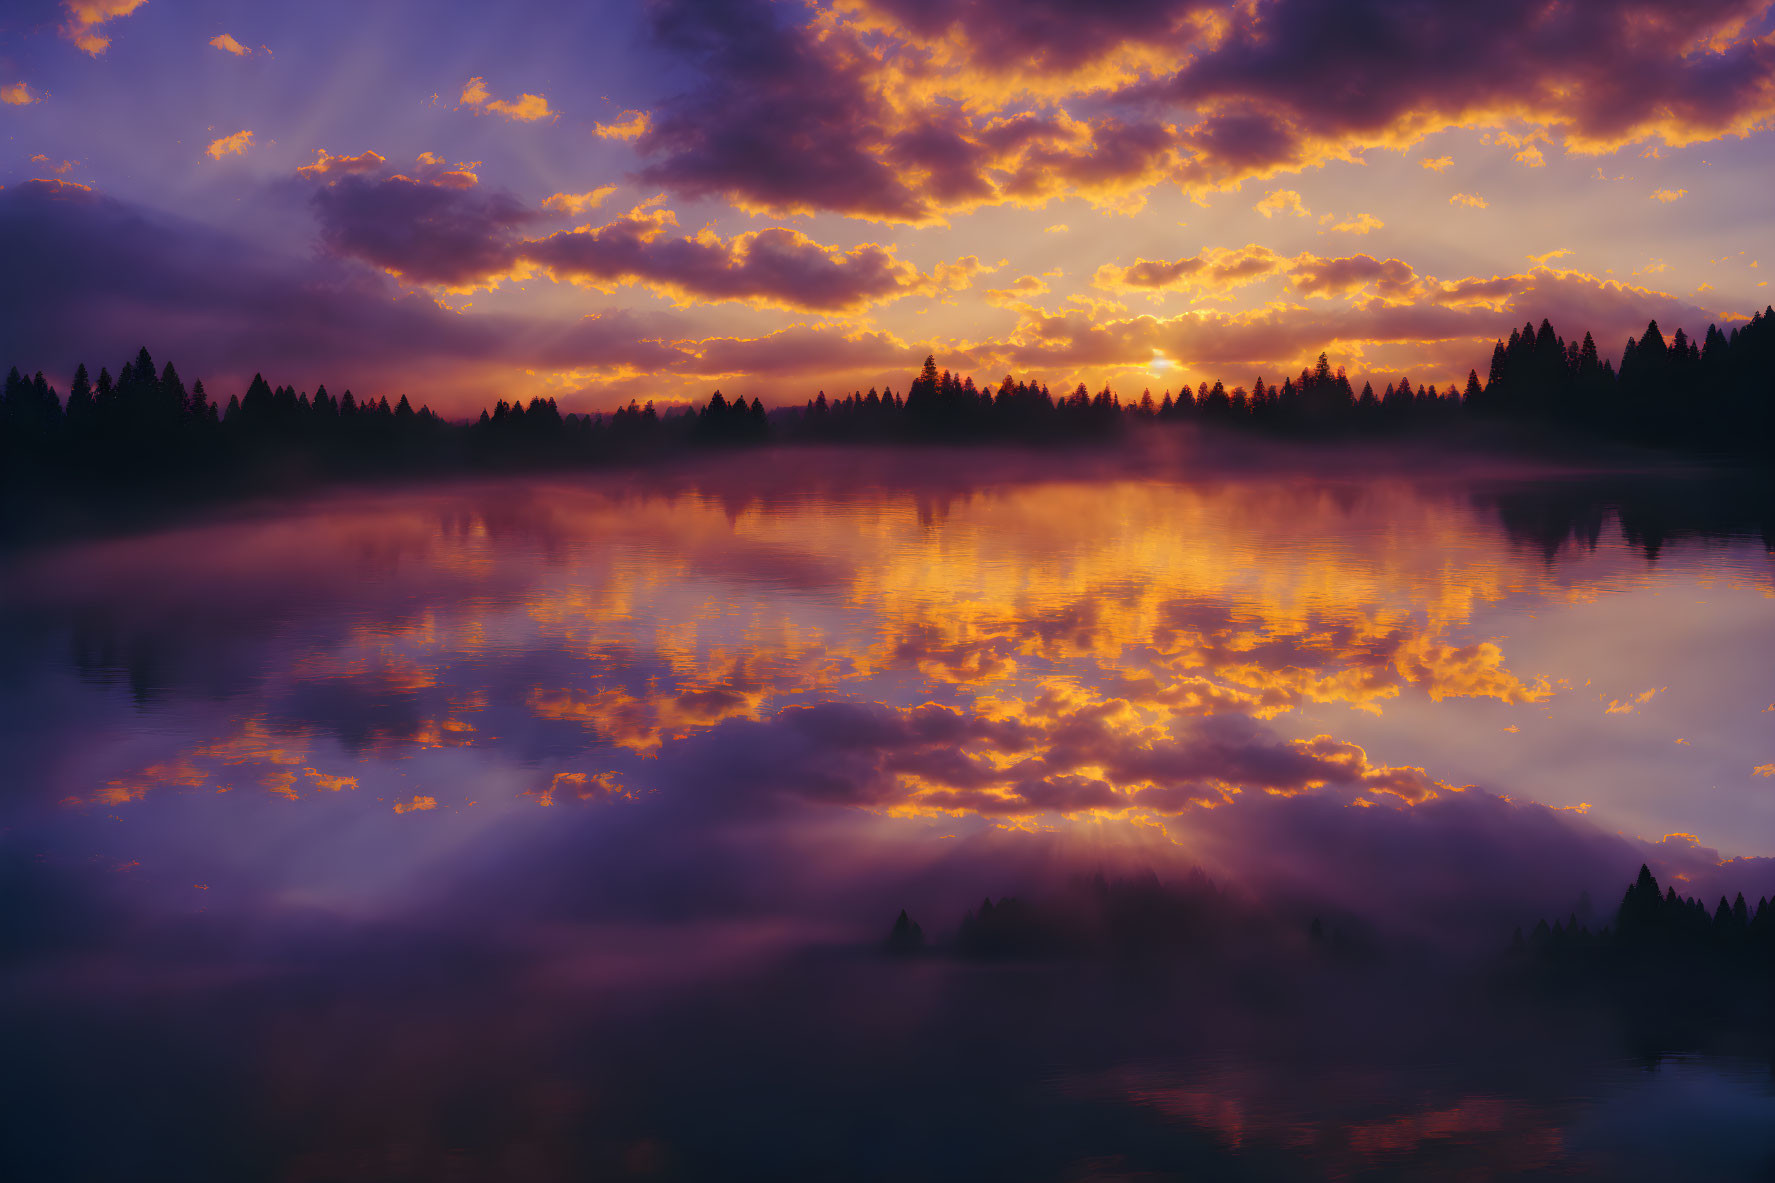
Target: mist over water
552,828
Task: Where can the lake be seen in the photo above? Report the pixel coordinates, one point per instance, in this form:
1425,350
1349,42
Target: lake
551,827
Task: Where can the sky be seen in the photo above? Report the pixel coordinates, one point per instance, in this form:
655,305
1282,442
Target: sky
605,202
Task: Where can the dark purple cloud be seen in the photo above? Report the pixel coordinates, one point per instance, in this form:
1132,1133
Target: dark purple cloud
442,229
1294,77
1043,35
1314,276
779,118
953,758
1308,824
789,116
788,110
776,266
109,276
1119,155
1213,269
425,232
946,150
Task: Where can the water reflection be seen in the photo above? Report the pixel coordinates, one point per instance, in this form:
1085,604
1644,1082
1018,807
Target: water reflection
548,828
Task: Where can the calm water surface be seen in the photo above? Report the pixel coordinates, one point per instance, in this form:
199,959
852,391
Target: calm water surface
549,828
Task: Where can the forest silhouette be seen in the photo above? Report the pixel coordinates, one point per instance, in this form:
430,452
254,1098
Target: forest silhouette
144,428
1677,972
1136,918
1672,972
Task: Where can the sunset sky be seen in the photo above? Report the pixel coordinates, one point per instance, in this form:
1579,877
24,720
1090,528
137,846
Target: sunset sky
601,202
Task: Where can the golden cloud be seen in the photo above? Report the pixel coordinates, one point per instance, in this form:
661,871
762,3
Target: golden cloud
433,169
1282,201
582,786
1626,706
56,187
574,204
87,17
629,125
326,164
1360,224
233,145
1211,271
526,108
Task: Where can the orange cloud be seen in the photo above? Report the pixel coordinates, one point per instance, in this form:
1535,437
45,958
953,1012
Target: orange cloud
325,164
418,804
234,145
435,170
1437,164
1626,706
227,44
55,187
1282,201
1669,195
526,108
86,17
328,781
428,169
18,94
1763,770
630,125
1471,200
1018,289
575,204
1212,270
582,786
1360,224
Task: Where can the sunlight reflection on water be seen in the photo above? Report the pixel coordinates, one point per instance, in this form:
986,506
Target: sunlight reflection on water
585,719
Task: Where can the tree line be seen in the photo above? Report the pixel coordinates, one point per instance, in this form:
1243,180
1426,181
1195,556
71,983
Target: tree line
1678,971
145,425
1135,917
